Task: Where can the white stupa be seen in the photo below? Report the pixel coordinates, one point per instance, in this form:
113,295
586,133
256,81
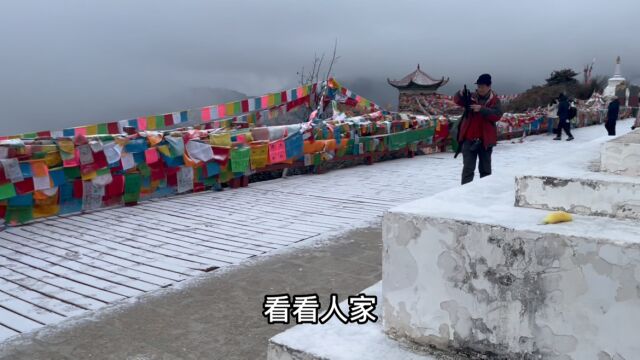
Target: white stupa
617,79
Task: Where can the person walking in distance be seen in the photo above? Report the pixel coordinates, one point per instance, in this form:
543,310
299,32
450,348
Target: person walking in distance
612,116
477,131
563,118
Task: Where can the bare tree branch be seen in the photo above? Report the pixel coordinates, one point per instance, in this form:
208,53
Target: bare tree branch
316,76
333,59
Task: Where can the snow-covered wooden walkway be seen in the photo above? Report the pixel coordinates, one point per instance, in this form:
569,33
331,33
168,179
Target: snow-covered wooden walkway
58,268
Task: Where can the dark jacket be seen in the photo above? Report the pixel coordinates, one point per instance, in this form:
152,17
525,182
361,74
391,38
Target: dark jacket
563,109
613,111
490,113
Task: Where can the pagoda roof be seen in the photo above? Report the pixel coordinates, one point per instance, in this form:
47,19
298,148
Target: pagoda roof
418,78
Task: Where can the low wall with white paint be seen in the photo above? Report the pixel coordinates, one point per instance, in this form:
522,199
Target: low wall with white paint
622,155
464,270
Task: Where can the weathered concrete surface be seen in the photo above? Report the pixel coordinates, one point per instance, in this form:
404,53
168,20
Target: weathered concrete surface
622,155
337,341
576,184
485,277
613,197
218,316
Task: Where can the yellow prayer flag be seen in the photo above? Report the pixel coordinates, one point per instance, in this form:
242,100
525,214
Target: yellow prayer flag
223,139
151,123
66,145
92,129
53,159
40,211
259,156
164,150
229,109
89,176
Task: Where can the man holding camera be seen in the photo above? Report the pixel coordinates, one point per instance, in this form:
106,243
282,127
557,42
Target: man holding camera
477,131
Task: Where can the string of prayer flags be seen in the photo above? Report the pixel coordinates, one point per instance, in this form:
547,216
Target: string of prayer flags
66,175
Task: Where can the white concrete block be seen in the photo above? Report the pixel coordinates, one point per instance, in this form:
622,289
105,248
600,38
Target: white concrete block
601,196
465,270
622,155
337,341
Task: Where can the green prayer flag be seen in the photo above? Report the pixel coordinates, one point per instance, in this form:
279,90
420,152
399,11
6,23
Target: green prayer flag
72,173
225,174
211,181
102,129
198,174
132,184
160,122
29,136
7,191
19,214
144,169
240,160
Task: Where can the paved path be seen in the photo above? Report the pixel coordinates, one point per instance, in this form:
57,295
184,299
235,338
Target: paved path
60,268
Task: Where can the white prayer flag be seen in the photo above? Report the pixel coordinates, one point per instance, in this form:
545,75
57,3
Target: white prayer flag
185,179
127,161
41,182
199,151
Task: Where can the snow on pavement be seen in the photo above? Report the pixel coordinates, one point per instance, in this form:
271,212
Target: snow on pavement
63,267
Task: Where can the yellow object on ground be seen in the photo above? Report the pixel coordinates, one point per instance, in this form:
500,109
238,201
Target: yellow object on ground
557,217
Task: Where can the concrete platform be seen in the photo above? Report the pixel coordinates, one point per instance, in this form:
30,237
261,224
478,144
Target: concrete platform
518,275
577,186
337,341
484,277
612,197
622,155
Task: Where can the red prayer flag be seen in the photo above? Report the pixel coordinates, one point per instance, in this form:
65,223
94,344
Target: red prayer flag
77,189
24,187
168,119
112,127
116,187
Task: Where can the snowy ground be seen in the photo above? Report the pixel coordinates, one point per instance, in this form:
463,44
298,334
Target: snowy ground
60,268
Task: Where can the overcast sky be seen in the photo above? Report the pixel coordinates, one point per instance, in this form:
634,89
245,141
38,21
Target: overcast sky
66,62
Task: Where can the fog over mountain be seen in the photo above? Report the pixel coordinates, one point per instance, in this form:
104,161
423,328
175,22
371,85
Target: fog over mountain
73,62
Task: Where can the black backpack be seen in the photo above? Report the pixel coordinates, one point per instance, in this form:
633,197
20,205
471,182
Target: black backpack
573,112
